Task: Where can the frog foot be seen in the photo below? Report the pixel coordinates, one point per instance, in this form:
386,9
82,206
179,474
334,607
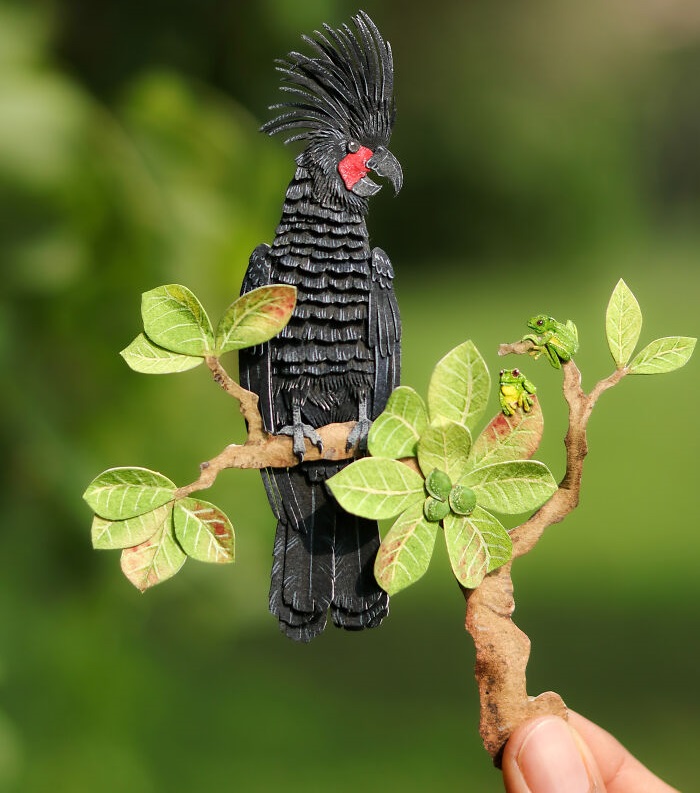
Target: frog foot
553,358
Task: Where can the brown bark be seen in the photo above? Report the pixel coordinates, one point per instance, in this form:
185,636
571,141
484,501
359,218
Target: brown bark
502,649
502,652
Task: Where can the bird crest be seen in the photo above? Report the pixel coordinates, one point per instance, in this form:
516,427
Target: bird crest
345,88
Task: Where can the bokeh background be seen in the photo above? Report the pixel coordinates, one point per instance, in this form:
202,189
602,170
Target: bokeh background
549,148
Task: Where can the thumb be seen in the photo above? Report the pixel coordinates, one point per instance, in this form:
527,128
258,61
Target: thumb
546,755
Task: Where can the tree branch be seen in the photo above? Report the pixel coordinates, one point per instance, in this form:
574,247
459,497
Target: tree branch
261,449
502,649
272,451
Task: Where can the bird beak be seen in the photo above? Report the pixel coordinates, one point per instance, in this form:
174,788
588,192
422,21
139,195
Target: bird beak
384,164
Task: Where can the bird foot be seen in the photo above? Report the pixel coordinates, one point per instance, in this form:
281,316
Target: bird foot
299,432
358,435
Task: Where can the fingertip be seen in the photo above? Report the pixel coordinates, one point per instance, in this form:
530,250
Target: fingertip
546,755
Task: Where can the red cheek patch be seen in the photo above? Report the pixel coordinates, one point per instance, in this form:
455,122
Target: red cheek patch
354,166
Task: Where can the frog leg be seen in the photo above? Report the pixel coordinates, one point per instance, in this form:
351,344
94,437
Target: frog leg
506,403
538,349
552,356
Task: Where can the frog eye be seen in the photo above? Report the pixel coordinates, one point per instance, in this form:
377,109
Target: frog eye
516,372
503,371
540,322
353,146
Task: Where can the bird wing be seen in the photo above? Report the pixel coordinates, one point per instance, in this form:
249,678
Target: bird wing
384,331
254,372
254,362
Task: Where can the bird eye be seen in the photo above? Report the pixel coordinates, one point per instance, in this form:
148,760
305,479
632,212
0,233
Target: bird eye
353,146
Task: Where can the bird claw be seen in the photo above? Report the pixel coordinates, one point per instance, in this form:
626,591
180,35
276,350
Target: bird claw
358,435
299,432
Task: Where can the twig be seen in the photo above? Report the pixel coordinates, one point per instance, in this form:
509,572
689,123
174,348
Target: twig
516,348
502,649
248,400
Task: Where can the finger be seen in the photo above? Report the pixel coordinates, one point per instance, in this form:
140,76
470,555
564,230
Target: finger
546,755
620,770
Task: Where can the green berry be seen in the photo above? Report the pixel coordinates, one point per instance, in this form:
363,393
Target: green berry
435,510
462,500
438,484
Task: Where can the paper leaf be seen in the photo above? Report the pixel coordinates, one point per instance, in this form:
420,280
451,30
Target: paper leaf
405,552
623,323
507,438
117,534
395,432
142,355
122,493
459,386
155,560
204,531
377,487
663,355
444,445
476,545
511,487
174,319
255,317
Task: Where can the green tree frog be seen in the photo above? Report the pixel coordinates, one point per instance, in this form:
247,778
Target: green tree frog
558,341
515,391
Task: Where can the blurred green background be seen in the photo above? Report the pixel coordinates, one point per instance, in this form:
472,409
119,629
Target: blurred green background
549,148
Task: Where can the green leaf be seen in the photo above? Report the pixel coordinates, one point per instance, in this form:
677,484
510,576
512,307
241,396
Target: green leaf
203,531
142,355
459,386
511,487
377,487
155,560
395,432
444,445
255,317
406,550
623,323
122,493
663,355
476,545
173,318
115,534
507,438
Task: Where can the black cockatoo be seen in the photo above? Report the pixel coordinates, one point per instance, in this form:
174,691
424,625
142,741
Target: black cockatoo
338,359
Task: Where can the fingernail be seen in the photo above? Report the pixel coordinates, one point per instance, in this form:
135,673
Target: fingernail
550,761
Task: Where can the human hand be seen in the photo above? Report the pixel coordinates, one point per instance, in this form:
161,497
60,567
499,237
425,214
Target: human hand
547,755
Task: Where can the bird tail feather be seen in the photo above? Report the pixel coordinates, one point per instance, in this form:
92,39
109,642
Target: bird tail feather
323,558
